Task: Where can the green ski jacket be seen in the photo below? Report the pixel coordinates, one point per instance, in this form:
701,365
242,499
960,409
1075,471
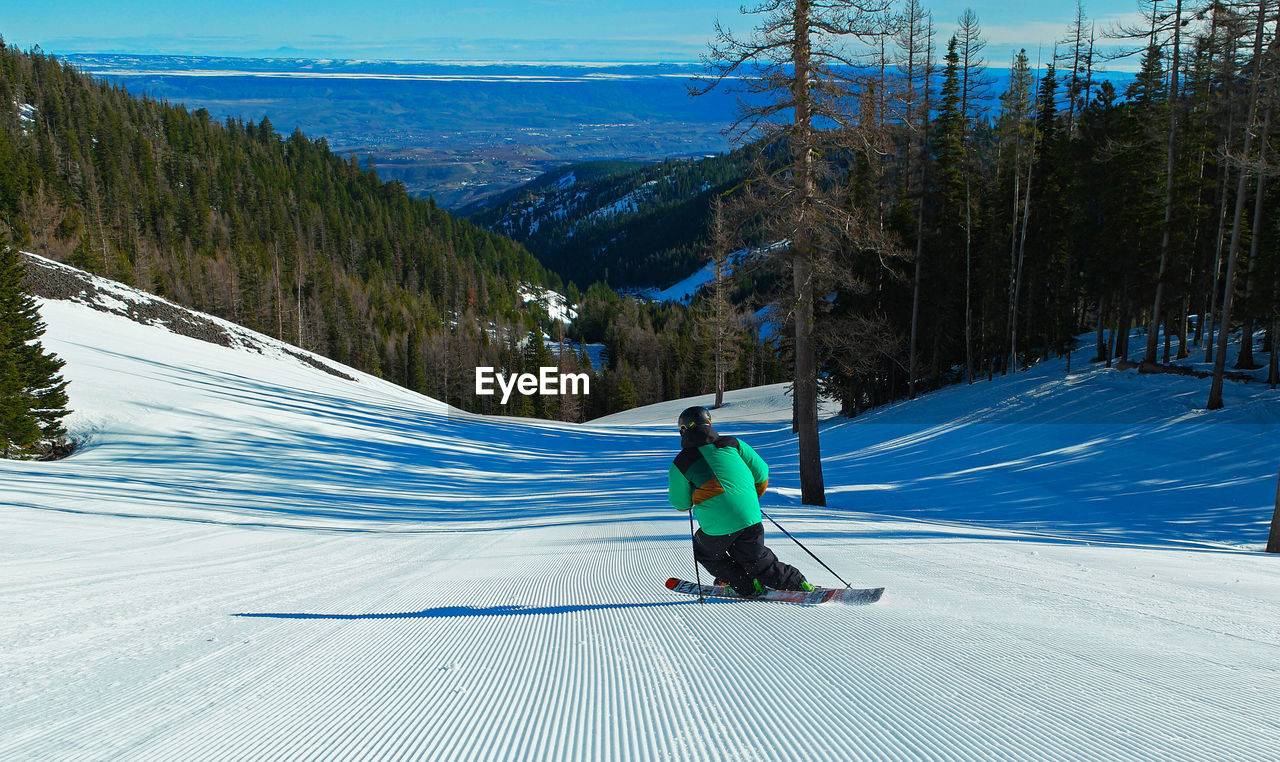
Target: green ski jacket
720,478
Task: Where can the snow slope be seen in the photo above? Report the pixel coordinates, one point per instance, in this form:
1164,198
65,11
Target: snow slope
682,290
252,558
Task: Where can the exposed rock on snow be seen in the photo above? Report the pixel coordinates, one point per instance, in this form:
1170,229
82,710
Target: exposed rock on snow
53,280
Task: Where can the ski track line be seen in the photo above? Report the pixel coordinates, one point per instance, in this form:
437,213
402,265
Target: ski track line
313,715
884,568
676,681
100,607
362,666
1146,600
137,701
127,610
1224,707
1137,592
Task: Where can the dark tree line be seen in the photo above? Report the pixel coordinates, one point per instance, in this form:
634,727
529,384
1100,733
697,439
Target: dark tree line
958,233
1076,207
638,226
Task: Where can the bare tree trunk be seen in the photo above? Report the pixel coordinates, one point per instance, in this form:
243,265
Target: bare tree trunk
1111,342
915,301
722,322
1273,540
299,274
1212,317
971,81
1244,361
812,489
1122,324
1153,331
1186,317
275,259
1013,248
1100,343
924,170
968,289
1022,248
1273,362
1220,362
719,332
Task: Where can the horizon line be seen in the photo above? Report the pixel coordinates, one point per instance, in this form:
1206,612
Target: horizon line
460,62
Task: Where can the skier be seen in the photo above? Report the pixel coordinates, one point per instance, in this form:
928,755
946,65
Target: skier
722,479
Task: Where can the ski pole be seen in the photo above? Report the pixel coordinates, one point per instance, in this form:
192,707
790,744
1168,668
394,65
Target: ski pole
697,573
802,547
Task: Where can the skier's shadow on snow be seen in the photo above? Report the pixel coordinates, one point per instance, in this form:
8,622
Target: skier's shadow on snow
445,612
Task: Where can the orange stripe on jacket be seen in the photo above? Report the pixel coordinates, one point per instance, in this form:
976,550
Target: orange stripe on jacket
709,489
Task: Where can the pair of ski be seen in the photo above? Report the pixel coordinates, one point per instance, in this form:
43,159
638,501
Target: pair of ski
850,596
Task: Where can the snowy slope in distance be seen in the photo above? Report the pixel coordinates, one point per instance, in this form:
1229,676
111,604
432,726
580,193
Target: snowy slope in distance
254,558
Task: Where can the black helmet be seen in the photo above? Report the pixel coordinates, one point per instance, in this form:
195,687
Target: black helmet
694,416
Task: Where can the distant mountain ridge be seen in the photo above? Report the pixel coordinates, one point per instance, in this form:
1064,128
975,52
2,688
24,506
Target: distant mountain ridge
630,225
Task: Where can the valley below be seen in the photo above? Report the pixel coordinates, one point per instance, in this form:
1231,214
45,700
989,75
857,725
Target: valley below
456,131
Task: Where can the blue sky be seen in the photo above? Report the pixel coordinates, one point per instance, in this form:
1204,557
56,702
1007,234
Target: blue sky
509,30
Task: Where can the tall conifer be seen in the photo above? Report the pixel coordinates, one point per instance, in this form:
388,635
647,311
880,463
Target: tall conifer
33,395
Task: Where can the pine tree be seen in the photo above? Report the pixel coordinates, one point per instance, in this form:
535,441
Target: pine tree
33,396
537,356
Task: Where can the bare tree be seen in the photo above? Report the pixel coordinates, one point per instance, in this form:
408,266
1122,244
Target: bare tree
797,64
1159,24
1233,251
1220,20
1171,151
1016,126
1244,360
1021,239
724,323
916,64
1273,540
973,87
275,279
1079,51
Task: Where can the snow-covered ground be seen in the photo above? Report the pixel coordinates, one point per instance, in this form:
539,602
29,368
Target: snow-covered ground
682,290
252,558
555,303
26,115
628,204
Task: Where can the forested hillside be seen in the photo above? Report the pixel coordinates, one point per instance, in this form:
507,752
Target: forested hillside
632,226
1071,207
984,227
281,235
275,232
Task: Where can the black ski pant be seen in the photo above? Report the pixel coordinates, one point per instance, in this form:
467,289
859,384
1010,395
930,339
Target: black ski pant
741,557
